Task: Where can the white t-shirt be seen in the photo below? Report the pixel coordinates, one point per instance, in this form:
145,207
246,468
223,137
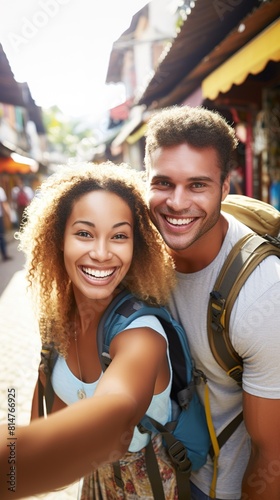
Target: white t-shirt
254,332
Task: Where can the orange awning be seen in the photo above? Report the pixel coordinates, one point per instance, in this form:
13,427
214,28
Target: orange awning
18,164
251,59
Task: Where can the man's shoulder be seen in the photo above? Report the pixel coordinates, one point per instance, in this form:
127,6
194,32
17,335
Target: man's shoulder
236,230
235,225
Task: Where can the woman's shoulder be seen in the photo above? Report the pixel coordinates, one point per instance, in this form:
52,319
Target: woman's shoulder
147,321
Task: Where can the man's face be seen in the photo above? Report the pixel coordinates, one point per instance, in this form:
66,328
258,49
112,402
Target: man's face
185,193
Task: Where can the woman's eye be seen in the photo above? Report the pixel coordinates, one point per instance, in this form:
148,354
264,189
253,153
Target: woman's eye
120,236
83,234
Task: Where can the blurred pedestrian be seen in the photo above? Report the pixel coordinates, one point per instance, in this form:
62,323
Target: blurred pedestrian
22,196
4,208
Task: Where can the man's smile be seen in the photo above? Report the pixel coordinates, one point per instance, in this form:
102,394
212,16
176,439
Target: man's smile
179,221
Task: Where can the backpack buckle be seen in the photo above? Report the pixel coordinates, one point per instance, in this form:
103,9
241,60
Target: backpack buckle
178,455
236,373
272,239
218,311
185,395
199,376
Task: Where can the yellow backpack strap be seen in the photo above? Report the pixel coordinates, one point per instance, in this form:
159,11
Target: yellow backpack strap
214,450
216,441
215,445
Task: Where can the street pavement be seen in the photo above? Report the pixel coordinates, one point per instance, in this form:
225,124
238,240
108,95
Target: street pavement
20,349
9,267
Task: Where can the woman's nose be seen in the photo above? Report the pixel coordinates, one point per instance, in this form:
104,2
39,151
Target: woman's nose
100,251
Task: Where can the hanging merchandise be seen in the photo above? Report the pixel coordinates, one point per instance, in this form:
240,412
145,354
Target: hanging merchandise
275,193
261,134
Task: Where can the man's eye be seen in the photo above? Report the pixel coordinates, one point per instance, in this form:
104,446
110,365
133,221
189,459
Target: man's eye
198,185
161,184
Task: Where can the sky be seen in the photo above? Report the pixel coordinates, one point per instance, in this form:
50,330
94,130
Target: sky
61,48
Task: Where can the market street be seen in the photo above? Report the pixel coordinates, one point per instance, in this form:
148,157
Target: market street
20,349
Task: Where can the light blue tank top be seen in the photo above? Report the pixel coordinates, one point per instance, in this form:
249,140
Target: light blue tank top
66,386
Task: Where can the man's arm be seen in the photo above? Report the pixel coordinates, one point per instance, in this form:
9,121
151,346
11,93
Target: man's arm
262,477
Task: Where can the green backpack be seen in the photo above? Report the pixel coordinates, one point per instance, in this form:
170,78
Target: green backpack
244,257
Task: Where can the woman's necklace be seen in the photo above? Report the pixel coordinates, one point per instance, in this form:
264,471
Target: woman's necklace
80,392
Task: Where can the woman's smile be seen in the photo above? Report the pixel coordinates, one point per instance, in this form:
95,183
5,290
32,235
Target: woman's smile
97,273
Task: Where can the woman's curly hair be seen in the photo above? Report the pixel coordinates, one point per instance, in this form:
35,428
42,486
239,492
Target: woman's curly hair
151,275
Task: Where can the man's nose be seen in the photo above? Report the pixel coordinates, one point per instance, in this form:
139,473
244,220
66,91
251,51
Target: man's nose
178,199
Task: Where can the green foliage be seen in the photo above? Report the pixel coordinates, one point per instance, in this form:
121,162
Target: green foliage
64,133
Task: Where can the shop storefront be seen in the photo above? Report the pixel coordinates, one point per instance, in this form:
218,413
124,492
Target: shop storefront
248,86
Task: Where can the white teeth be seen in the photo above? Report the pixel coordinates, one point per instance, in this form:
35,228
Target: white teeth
179,222
96,273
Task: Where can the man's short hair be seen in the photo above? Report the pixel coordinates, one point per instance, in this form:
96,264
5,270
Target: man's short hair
198,127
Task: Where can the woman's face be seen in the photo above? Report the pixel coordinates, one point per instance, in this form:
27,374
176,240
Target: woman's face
98,244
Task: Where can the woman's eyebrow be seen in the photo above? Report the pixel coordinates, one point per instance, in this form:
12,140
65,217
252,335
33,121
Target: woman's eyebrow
91,224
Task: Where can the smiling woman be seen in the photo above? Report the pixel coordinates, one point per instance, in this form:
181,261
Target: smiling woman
88,236
101,210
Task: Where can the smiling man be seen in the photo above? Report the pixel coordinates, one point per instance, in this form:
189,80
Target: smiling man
188,160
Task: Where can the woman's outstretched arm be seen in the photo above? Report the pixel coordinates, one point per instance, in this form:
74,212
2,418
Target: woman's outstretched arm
70,443
51,453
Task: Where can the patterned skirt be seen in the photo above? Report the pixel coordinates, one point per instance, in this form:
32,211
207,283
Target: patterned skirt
101,484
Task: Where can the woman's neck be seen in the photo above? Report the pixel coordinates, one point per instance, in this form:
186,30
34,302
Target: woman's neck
89,312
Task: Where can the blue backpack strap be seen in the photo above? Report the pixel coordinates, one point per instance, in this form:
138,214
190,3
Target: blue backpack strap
124,309
121,312
106,318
